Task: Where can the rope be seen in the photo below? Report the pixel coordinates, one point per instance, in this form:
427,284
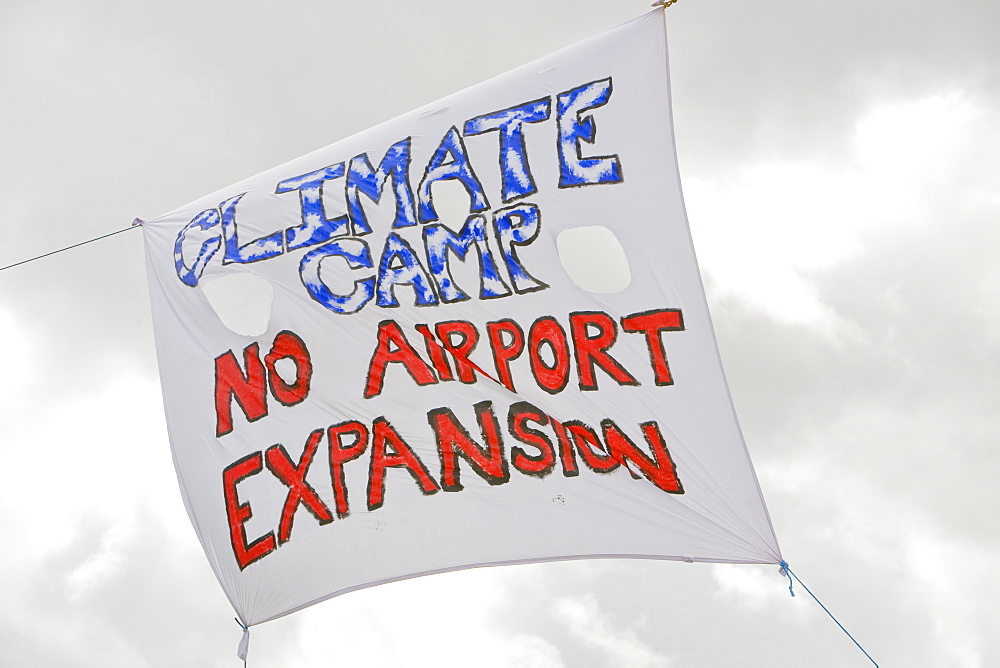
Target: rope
38,257
786,570
663,3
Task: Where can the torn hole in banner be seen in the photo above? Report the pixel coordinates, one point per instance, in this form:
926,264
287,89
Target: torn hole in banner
242,301
451,202
594,258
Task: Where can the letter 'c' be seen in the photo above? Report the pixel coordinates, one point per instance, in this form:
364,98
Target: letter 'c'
356,252
205,220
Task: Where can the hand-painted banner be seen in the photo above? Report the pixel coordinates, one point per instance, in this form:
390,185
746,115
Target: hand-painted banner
483,340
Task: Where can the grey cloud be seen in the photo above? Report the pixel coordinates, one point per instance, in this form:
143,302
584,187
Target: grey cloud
753,80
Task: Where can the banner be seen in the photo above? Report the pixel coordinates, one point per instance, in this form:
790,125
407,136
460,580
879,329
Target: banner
481,338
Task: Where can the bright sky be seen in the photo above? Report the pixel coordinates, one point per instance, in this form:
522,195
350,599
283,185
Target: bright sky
840,165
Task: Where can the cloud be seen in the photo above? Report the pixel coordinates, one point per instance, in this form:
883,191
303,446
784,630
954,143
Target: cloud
840,164
112,595
764,232
870,408
595,629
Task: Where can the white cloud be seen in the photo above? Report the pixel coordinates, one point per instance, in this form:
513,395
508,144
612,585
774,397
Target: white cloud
101,564
17,365
442,621
95,457
902,139
750,588
588,624
762,232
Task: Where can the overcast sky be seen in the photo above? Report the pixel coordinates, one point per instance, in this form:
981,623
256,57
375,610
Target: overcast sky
841,165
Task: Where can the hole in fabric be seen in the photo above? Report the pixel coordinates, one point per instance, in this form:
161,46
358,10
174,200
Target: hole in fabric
594,258
242,301
451,202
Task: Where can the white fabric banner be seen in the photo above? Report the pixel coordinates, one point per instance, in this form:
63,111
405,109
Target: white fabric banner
478,336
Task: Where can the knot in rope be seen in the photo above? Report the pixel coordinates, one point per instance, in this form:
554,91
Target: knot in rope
243,648
786,572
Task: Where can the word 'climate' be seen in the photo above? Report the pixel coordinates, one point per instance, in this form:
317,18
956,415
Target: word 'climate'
514,224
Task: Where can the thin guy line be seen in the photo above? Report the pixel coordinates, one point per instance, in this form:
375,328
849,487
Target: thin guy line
785,566
39,257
